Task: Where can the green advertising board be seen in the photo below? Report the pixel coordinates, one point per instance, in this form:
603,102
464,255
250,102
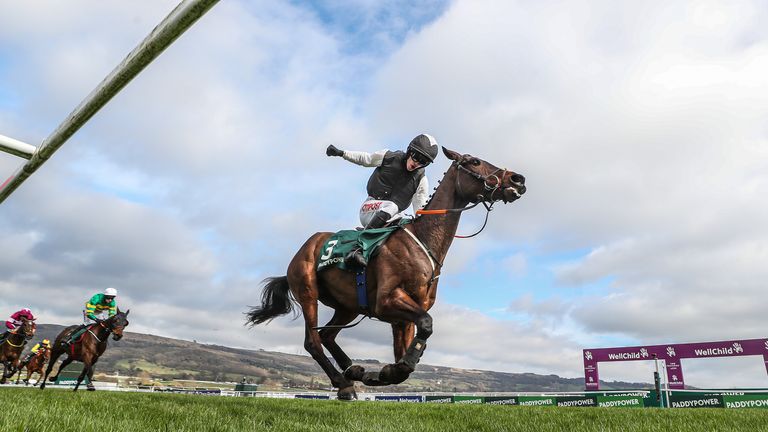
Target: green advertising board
468,400
501,400
746,401
69,375
537,401
695,400
576,401
621,401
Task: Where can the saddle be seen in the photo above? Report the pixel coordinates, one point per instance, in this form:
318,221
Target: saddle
339,244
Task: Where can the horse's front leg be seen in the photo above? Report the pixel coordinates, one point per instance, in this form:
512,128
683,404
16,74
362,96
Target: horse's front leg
402,335
399,307
86,370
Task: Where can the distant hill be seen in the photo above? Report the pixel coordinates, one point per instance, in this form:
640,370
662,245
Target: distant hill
150,357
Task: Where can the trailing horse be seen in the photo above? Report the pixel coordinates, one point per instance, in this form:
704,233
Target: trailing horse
401,280
11,348
87,349
35,364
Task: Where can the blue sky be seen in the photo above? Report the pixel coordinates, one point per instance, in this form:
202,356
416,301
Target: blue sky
640,130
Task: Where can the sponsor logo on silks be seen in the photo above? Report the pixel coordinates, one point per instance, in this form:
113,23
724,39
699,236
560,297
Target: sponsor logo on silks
697,403
588,354
643,353
671,351
369,207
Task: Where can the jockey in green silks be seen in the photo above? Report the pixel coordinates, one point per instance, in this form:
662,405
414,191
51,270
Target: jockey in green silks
98,308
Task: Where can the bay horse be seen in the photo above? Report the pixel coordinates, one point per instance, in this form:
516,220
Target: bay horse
11,349
35,364
87,349
401,279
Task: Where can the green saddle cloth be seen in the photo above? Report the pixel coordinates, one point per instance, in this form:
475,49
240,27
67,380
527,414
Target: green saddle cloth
338,245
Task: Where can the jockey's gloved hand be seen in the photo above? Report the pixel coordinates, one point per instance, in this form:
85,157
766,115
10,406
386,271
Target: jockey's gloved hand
333,151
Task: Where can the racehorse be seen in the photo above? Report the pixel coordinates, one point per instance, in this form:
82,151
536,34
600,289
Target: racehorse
11,349
87,349
35,364
401,279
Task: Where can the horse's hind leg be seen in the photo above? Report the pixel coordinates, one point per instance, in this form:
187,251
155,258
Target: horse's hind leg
306,295
328,336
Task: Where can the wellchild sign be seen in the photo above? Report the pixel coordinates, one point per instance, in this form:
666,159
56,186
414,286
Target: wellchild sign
671,354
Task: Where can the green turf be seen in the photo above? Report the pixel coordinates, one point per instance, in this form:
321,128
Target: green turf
29,409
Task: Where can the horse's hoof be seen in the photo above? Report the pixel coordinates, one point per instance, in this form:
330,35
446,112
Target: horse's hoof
52,379
347,394
395,373
90,388
354,373
373,379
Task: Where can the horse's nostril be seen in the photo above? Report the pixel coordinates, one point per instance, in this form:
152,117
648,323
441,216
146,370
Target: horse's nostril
519,179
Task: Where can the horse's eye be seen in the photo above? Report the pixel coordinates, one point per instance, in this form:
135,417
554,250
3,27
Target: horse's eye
475,162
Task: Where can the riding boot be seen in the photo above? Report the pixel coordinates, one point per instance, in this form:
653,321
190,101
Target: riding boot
355,259
71,339
379,220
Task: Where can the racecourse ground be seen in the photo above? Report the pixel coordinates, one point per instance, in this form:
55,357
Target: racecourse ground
55,410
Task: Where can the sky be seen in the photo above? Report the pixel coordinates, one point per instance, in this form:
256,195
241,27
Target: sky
639,126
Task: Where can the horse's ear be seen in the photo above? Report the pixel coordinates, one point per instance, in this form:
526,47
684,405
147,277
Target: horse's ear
450,154
127,312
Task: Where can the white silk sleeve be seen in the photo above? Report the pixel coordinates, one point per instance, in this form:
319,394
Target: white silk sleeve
422,194
364,158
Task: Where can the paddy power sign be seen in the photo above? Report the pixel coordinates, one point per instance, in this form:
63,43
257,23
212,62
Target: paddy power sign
671,354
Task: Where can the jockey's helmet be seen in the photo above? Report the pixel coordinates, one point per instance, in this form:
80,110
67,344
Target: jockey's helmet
110,292
46,342
26,310
423,149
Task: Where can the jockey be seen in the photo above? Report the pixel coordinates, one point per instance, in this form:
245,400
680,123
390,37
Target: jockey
15,321
35,349
98,308
397,181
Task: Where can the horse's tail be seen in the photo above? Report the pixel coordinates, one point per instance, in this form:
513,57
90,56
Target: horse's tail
275,300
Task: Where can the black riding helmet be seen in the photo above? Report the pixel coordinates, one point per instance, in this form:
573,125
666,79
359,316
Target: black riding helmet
423,148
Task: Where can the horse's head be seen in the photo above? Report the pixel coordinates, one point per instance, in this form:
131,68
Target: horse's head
478,180
117,323
28,328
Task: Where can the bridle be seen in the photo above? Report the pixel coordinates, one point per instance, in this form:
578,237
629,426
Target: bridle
487,202
23,333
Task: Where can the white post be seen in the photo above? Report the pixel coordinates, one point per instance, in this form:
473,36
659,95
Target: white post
16,147
178,21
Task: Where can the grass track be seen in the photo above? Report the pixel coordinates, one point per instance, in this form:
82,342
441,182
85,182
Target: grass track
28,409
